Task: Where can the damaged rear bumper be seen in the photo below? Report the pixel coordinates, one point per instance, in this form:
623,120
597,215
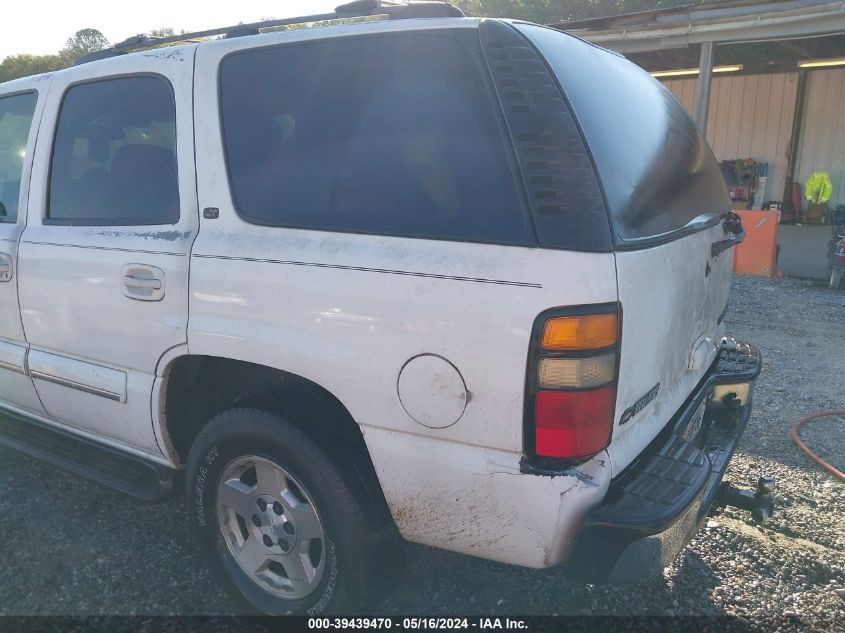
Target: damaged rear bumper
653,508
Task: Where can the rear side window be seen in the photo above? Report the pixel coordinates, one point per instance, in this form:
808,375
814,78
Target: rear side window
15,122
657,170
114,157
391,134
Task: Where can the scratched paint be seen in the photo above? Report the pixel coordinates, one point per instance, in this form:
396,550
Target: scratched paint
668,306
476,501
165,236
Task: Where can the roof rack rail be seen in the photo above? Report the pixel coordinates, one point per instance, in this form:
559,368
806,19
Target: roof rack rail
394,10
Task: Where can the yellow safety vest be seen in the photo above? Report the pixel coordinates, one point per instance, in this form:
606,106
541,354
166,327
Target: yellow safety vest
818,188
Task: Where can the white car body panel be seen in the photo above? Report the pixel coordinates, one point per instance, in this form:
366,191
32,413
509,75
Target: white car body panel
270,301
84,376
16,387
101,332
475,500
667,288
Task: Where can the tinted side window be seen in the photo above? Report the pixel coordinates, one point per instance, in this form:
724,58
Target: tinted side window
114,158
15,121
657,170
392,134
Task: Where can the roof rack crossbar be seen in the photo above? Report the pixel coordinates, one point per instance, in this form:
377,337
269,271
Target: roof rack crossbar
357,8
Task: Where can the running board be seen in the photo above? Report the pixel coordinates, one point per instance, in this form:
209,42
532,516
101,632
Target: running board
121,471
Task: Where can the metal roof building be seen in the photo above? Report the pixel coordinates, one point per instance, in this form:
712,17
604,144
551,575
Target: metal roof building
765,80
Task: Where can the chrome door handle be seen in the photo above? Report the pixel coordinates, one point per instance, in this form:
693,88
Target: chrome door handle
143,282
5,267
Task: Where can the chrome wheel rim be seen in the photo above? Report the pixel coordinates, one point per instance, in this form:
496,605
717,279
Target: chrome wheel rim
271,527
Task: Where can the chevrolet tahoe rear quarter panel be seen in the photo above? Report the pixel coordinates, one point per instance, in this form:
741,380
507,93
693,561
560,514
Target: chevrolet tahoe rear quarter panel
303,302
348,311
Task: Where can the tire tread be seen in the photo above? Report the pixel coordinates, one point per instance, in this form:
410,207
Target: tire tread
342,481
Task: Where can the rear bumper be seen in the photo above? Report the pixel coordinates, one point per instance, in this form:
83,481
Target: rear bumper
653,508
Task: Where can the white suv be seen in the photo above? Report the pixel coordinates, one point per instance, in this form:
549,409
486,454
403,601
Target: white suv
454,280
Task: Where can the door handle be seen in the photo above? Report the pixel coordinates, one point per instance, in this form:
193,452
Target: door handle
5,267
143,282
133,281
732,225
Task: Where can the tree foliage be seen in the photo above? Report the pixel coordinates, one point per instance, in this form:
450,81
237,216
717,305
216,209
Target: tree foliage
540,11
16,66
80,43
163,32
83,42
167,32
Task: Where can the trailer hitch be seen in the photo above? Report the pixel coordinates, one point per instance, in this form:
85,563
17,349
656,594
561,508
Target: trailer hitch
761,503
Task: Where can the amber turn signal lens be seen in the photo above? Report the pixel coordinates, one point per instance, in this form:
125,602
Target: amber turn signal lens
589,331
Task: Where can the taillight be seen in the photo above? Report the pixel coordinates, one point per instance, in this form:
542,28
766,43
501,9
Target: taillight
579,332
576,373
571,381
840,252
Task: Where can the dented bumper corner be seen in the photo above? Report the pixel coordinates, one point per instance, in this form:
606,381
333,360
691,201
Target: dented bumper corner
653,508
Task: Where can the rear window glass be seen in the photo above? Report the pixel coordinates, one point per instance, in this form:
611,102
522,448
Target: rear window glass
657,170
114,158
15,121
389,134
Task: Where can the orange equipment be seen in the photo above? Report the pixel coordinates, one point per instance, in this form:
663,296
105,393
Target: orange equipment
757,255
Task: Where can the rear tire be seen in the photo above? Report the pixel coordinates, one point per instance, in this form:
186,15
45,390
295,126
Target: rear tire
835,278
285,528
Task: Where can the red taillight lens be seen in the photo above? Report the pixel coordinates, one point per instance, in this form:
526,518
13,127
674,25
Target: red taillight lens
573,423
572,381
840,252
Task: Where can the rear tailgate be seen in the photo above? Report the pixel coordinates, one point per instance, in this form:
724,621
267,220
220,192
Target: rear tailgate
673,297
666,200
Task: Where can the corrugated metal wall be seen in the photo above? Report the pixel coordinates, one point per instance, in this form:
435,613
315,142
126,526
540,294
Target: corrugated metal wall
750,117
822,146
684,91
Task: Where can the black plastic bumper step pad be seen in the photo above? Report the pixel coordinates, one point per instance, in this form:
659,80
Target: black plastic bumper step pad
737,360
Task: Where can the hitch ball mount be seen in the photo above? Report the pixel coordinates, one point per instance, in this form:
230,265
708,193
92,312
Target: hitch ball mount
761,503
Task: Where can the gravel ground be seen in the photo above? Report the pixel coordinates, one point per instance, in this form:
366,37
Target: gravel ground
71,547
